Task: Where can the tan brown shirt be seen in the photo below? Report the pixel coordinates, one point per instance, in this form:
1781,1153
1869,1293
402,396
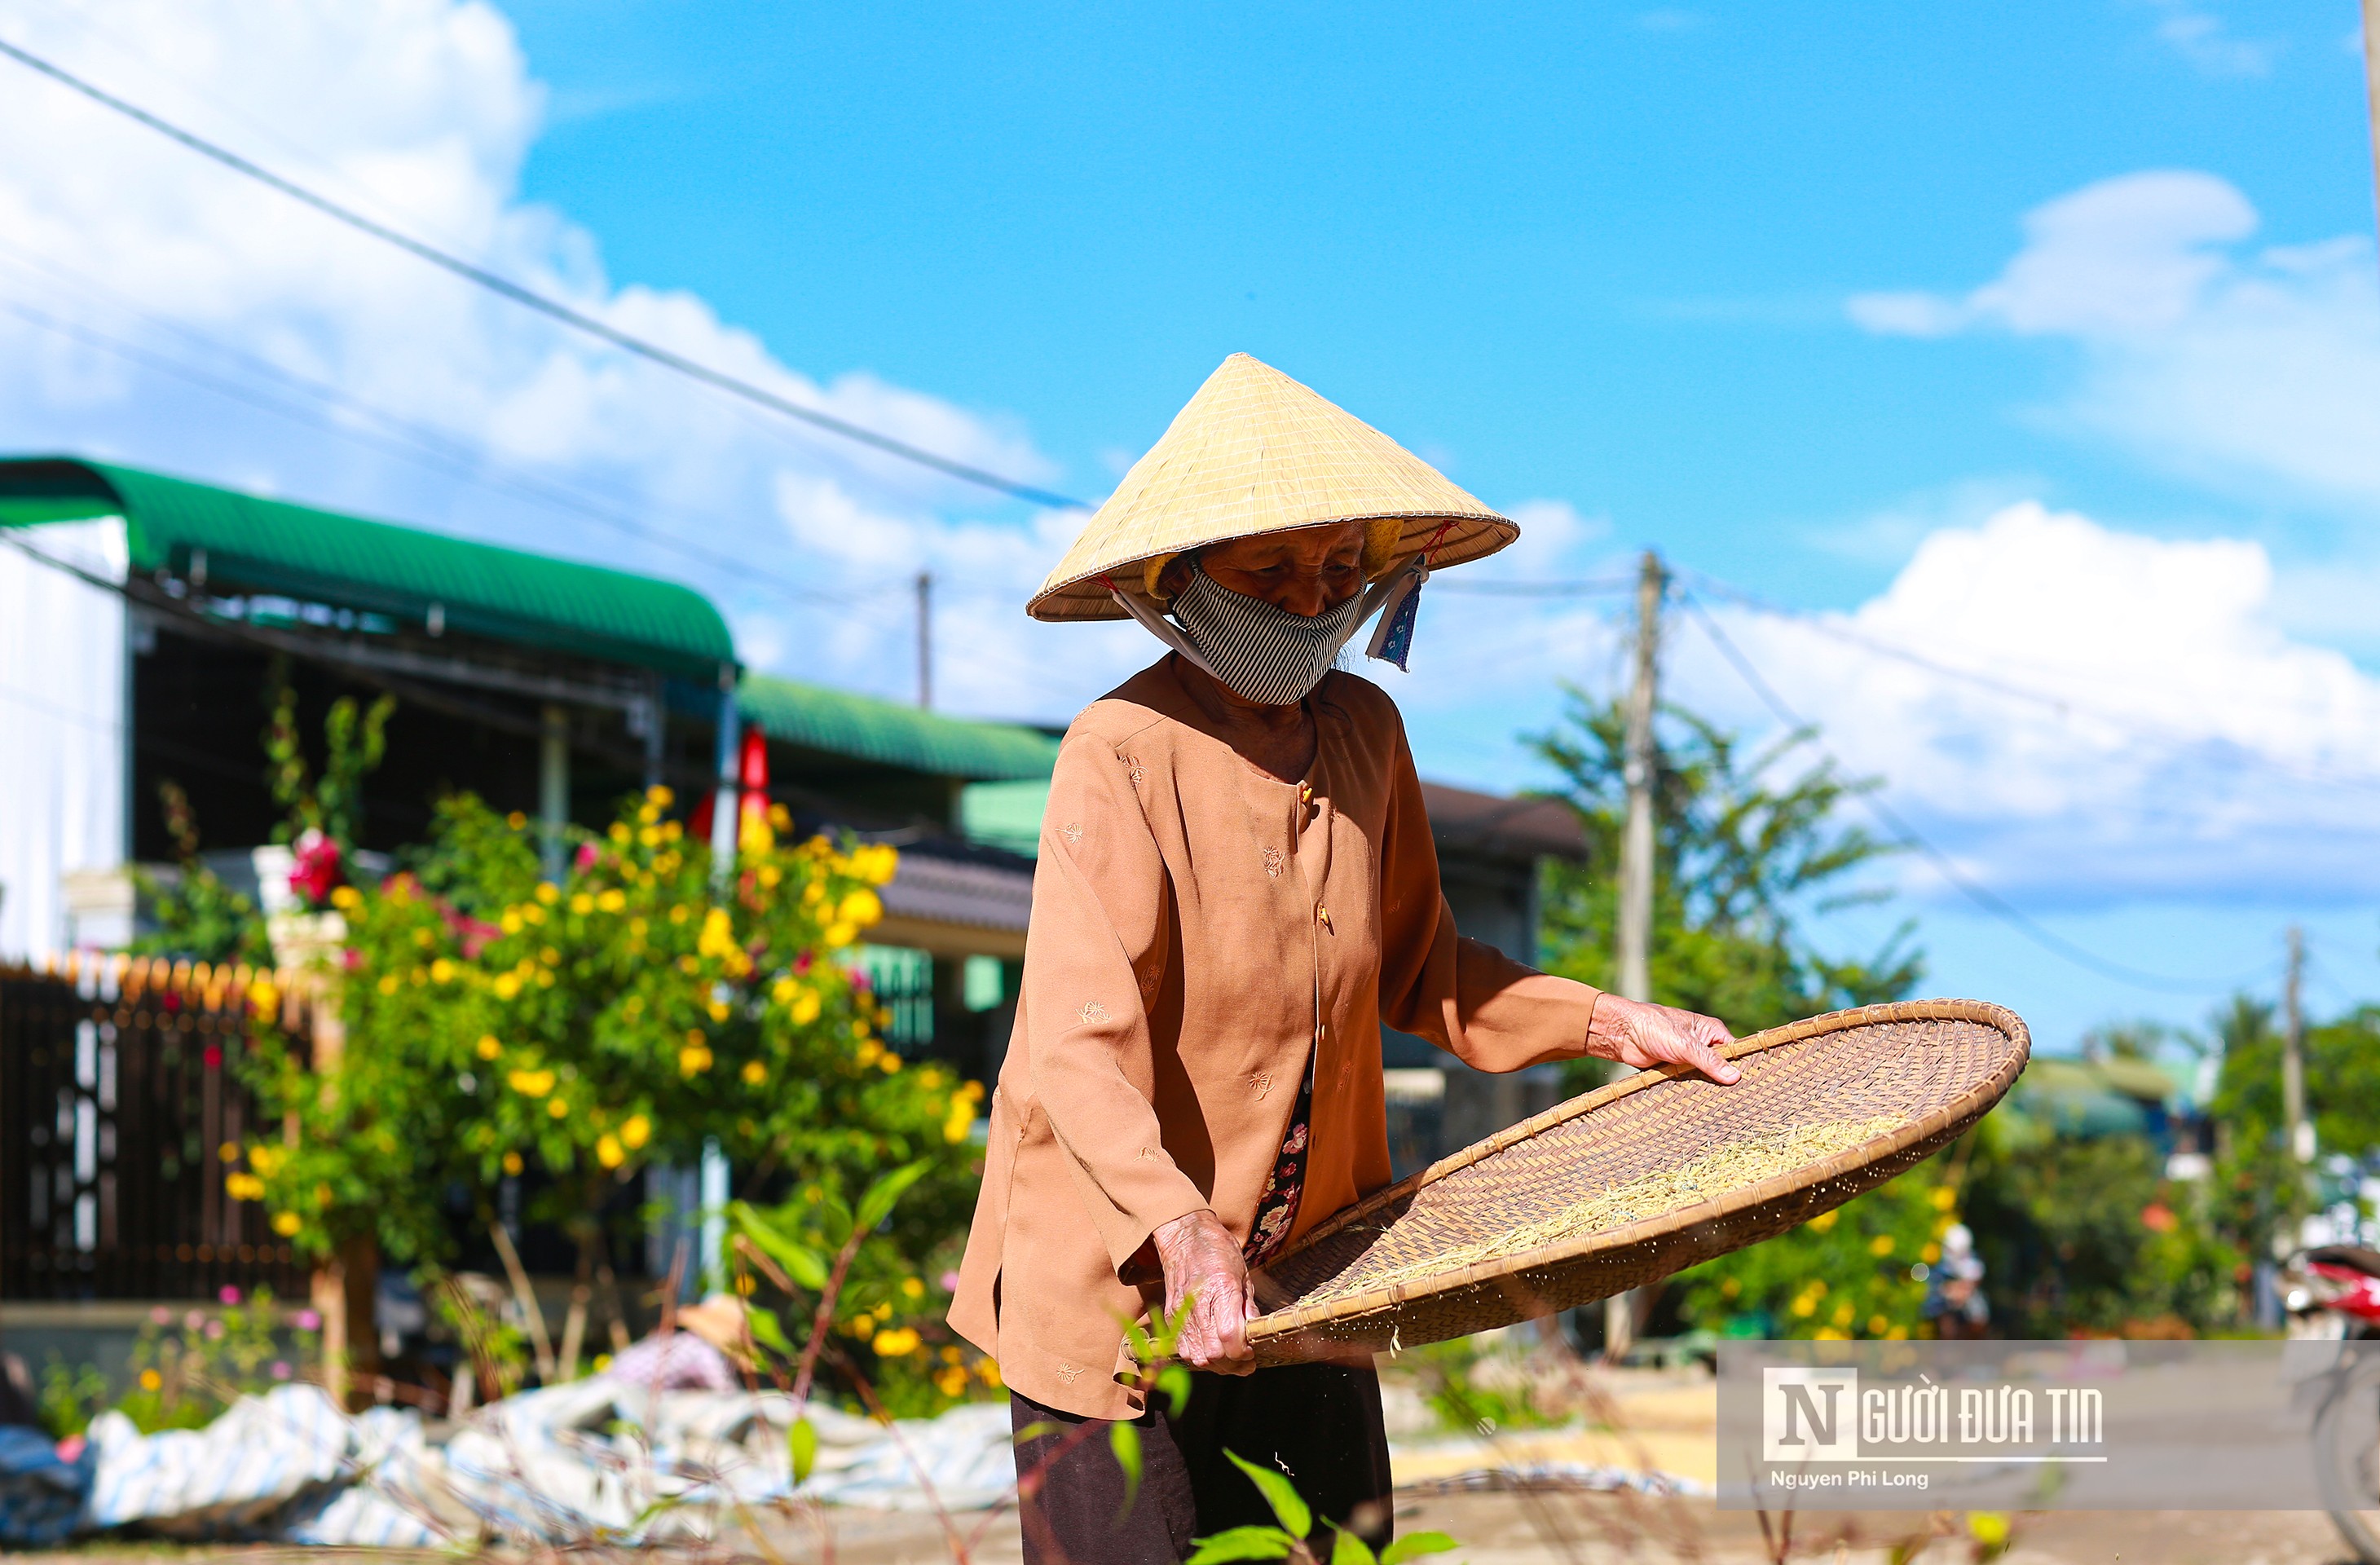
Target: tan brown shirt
1199,926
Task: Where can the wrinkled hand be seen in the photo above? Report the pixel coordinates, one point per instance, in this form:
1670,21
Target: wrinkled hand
1203,1264
1642,1035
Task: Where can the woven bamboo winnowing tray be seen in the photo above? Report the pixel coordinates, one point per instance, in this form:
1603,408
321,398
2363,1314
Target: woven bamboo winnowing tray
1938,1066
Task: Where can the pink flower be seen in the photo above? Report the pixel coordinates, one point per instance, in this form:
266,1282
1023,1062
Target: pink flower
588,855
230,1295
214,1330
950,1281
281,1369
193,1320
70,1448
161,1315
477,933
308,1321
316,872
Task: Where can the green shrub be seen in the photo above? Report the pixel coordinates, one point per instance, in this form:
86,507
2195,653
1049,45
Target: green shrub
496,1022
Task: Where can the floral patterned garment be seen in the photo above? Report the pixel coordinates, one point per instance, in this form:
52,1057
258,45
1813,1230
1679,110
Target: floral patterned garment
1277,1208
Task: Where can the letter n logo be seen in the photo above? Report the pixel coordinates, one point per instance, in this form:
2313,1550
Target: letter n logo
1809,1414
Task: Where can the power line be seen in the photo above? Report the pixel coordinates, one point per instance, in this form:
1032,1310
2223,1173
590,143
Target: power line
1983,897
529,299
451,457
433,451
1533,589
456,460
2063,706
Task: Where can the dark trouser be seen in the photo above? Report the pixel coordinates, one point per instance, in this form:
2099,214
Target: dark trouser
1318,1423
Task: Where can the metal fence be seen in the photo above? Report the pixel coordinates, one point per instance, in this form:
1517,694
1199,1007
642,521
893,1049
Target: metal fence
903,983
120,1094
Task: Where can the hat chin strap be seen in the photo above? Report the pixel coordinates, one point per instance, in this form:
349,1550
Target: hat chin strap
1393,589
1165,630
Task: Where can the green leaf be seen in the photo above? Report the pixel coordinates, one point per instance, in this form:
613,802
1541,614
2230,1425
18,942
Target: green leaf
1413,1546
1169,1330
1175,1383
768,1330
801,1264
801,1443
1243,1542
1123,1439
1349,1549
877,1204
1034,1430
1279,1493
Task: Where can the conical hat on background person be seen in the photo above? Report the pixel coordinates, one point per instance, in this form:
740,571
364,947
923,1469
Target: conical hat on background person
720,1321
1255,452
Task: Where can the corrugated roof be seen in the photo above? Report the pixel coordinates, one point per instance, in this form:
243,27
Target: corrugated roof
865,728
270,546
1518,829
1006,814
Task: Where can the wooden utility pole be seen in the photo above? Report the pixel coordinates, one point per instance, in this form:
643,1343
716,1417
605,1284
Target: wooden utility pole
925,640
2297,1127
1632,956
2371,89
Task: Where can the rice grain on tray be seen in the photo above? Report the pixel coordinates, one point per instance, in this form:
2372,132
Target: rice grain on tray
1723,1169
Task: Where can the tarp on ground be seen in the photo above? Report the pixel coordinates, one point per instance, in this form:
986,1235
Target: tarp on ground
594,1461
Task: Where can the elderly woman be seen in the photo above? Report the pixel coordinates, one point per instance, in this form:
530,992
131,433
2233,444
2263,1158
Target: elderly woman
1237,887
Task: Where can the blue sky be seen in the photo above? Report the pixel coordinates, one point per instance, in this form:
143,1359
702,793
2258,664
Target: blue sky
2040,341
1595,252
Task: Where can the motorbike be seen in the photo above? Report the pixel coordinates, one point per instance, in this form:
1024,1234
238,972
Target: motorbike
2331,1294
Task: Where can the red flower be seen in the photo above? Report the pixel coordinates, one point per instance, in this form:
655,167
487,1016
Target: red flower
317,872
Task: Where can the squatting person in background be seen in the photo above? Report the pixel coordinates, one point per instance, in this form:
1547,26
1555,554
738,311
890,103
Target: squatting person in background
1236,887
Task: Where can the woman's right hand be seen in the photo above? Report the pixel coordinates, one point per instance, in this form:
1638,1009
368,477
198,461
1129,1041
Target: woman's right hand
1203,1264
1642,1036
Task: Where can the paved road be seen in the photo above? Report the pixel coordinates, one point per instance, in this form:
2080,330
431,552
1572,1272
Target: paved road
1501,1529
1498,1529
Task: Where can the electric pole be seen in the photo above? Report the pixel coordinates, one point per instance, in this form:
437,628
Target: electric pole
2299,1129
1632,957
2371,83
925,640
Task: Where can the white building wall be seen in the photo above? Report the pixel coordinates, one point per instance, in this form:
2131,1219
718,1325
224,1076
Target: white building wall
65,758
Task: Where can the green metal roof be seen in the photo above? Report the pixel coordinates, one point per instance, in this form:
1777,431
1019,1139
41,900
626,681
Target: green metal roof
270,546
1006,814
867,729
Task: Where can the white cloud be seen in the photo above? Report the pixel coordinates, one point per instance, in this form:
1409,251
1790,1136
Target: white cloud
422,111
2258,370
2201,37
2137,724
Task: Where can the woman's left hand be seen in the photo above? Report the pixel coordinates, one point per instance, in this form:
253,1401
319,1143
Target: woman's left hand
1636,1033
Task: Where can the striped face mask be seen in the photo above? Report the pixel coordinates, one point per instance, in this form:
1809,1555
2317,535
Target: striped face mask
1260,651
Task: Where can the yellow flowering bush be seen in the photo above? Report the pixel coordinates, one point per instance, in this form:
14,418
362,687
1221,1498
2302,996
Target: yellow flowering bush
498,1023
1855,1272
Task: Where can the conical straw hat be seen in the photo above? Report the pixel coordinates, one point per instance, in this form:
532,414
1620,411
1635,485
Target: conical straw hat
1255,452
